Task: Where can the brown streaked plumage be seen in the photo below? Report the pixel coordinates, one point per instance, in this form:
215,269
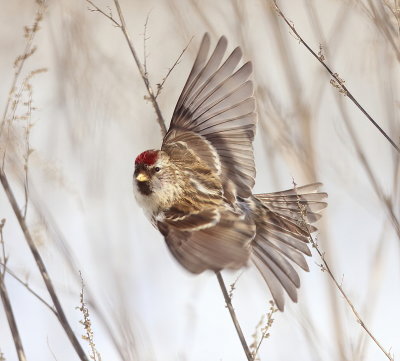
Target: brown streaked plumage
197,190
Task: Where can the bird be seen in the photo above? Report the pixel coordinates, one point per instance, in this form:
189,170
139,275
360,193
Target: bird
197,188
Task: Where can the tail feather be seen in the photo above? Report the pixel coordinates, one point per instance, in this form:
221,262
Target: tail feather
272,253
282,236
294,243
274,285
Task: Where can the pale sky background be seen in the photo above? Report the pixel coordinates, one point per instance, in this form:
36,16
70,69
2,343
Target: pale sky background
92,121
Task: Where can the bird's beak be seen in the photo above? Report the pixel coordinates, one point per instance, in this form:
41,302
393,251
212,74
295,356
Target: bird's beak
142,177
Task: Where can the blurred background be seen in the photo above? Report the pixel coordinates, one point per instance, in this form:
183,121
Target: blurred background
84,120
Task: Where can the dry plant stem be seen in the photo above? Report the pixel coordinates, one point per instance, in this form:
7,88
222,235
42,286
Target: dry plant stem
325,267
233,315
356,314
265,331
29,289
143,74
11,320
7,304
28,50
336,77
43,271
161,85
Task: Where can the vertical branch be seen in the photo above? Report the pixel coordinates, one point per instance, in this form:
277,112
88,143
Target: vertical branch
143,74
233,315
11,320
7,304
42,268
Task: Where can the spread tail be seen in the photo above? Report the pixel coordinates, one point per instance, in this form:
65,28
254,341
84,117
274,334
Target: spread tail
282,235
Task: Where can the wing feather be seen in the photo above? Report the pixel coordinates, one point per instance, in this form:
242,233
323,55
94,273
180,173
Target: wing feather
222,242
217,104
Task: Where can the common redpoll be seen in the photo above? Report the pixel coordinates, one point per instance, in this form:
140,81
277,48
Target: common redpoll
197,190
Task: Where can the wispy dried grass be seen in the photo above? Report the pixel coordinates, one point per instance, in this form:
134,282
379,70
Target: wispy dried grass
87,324
262,330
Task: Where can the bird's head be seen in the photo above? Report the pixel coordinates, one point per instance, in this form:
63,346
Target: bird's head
155,176
148,170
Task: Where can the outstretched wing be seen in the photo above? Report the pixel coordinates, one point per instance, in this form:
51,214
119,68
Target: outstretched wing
282,237
216,104
209,240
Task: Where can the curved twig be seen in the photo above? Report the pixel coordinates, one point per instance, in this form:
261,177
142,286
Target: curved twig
338,82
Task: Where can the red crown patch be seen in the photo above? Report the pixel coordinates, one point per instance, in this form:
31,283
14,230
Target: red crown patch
148,157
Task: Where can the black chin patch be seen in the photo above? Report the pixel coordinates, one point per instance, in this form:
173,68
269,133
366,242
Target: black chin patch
144,188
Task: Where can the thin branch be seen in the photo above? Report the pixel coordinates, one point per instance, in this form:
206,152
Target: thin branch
234,318
11,320
232,287
337,81
122,26
145,38
325,267
7,303
161,85
29,288
42,268
108,16
3,248
152,98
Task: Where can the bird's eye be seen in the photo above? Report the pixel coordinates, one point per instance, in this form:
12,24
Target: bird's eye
157,169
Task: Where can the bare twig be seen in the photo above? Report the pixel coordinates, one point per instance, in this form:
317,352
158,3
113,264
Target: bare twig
29,288
145,38
108,16
161,85
7,305
3,248
122,26
11,320
160,118
233,315
326,268
336,81
232,287
42,268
